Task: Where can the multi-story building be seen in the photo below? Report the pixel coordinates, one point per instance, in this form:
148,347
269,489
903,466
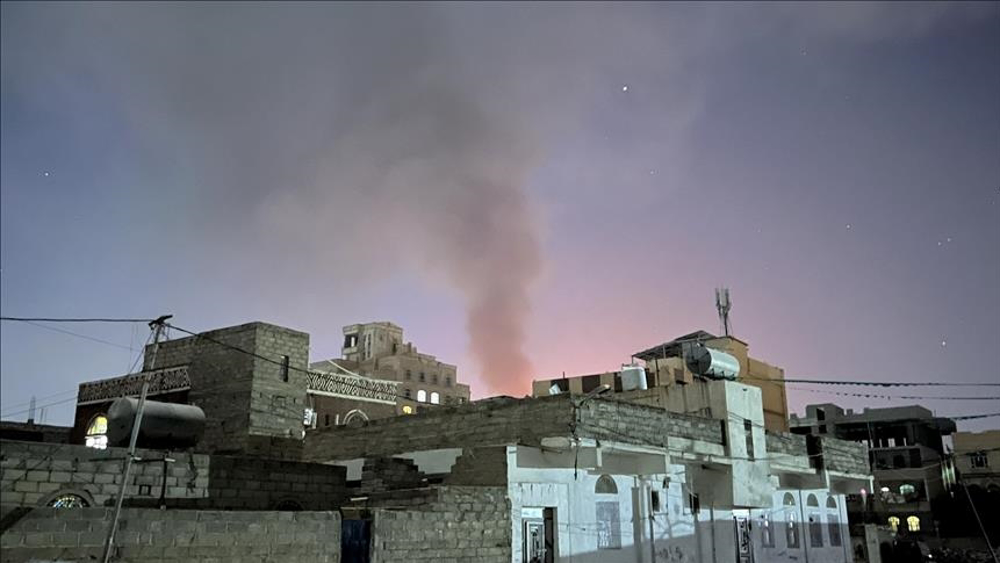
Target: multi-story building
908,459
377,350
666,367
977,459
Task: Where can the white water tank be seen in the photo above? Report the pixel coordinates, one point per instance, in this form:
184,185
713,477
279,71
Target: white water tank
633,378
710,362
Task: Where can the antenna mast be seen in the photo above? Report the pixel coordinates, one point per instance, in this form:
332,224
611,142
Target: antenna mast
723,304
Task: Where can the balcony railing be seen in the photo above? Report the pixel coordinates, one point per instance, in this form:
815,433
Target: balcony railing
161,381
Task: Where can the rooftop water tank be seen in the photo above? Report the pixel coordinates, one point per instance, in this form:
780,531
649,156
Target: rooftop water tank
633,378
164,425
710,362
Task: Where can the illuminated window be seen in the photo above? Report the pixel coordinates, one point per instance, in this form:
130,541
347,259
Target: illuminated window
422,396
407,409
69,500
435,398
894,523
906,490
913,524
97,433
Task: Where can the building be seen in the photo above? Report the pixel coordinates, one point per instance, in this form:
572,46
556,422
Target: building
377,350
598,479
977,459
666,369
908,458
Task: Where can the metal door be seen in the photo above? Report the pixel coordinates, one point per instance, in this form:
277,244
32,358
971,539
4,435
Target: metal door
355,541
534,540
744,541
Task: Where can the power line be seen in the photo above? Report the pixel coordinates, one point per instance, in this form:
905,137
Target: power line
78,335
874,383
73,320
908,397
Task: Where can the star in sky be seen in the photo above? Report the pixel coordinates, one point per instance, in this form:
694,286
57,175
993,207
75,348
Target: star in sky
624,87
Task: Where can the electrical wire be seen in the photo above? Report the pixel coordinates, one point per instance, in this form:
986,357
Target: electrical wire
73,320
784,380
908,397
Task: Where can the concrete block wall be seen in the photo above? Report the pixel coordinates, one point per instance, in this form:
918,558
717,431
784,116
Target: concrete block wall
641,424
277,406
463,524
480,466
839,455
786,444
492,421
151,535
33,473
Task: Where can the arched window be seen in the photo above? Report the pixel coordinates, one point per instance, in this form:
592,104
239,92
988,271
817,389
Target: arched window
422,396
789,499
811,500
68,500
356,417
913,524
907,489
791,522
894,523
407,409
831,502
606,486
435,398
97,433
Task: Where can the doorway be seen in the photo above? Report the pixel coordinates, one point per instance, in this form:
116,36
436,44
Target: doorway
538,528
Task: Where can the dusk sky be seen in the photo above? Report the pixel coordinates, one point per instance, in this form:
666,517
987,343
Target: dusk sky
527,189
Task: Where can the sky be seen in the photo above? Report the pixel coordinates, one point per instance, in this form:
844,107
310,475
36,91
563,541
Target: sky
527,189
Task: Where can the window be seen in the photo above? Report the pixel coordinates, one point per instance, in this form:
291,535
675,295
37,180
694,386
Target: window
894,523
833,525
434,378
907,490
97,433
284,368
815,531
409,375
654,501
766,531
791,522
748,431
606,486
447,381
435,398
980,461
811,501
407,393
913,524
68,500
423,377
326,419
407,409
422,396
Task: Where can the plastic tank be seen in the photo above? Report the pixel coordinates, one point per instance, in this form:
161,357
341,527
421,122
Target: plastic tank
710,362
633,377
164,425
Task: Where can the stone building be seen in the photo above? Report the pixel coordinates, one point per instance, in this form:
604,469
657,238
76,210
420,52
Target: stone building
666,368
596,479
377,351
908,459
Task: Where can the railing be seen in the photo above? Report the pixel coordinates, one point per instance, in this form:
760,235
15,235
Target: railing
160,381
353,387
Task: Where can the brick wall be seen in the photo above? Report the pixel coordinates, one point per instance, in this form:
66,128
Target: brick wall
32,473
462,524
149,535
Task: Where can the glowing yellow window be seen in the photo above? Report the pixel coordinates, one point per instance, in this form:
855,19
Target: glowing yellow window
894,523
97,433
407,409
913,524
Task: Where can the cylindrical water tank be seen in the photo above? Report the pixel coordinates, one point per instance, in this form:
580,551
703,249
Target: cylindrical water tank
164,425
633,378
703,360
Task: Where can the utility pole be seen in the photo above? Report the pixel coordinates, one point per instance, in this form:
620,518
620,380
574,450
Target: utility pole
109,543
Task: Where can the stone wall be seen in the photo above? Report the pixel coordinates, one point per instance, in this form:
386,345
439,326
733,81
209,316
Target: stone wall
640,424
461,524
839,455
150,535
33,473
786,444
507,421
